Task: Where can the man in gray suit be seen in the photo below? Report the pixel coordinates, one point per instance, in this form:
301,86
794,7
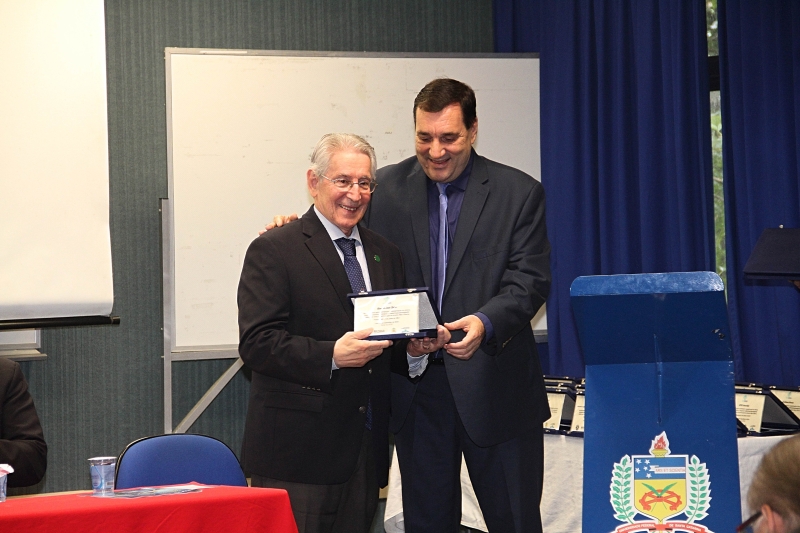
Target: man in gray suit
472,230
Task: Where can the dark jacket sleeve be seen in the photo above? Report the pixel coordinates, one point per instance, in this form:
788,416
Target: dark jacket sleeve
268,343
524,278
22,442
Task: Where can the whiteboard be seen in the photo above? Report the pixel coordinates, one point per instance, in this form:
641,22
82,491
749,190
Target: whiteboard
55,245
241,126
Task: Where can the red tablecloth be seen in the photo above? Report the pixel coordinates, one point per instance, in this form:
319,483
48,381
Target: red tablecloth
214,509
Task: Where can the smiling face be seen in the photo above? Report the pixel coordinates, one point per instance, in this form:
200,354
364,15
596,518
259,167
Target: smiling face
343,208
443,142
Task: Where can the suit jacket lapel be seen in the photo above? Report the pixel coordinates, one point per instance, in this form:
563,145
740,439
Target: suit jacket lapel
474,199
377,273
417,187
321,247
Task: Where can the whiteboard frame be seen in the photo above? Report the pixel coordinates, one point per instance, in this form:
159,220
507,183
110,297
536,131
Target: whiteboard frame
171,351
170,325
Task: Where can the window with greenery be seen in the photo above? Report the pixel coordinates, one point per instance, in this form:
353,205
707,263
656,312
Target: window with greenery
716,138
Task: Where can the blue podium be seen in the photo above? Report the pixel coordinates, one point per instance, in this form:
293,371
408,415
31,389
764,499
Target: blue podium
660,451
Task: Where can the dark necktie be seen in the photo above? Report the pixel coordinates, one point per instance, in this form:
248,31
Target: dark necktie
351,266
356,277
443,249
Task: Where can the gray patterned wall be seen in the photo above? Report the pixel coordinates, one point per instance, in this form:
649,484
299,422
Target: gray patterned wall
101,387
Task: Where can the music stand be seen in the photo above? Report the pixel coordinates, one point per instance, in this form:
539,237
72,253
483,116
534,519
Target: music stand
776,255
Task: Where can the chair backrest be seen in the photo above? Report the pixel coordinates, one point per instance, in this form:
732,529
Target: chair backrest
177,458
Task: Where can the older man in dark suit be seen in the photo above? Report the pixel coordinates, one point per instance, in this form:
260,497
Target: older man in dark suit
474,230
317,421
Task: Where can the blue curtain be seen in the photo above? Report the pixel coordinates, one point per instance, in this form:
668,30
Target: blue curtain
626,149
760,98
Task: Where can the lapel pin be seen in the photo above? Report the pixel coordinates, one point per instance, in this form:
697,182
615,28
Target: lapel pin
377,258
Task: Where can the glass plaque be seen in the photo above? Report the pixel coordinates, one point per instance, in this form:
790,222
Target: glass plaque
395,314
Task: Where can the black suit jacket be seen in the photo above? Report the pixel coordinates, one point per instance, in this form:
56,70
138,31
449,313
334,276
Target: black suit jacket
499,265
305,424
21,439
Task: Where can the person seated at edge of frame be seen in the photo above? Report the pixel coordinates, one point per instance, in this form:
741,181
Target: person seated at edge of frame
774,493
22,442
318,415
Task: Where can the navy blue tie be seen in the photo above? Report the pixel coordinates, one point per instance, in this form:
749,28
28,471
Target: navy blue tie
351,266
356,277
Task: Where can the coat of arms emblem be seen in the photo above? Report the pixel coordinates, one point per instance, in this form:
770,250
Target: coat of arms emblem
672,492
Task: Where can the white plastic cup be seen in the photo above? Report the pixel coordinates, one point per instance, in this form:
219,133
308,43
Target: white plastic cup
102,471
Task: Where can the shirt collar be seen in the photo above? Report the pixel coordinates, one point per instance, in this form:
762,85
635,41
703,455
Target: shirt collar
333,230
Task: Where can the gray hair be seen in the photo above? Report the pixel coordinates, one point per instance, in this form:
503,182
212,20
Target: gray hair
777,482
331,143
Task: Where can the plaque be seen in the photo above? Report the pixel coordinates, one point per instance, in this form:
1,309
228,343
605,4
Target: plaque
395,314
750,409
559,381
788,397
556,402
763,412
579,414
561,400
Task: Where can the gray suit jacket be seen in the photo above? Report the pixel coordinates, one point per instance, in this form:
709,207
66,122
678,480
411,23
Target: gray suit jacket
499,265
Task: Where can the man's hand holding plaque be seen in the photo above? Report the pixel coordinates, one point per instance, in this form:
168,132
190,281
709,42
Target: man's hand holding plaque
426,345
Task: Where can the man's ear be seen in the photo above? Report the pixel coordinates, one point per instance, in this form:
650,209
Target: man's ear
472,133
773,520
313,183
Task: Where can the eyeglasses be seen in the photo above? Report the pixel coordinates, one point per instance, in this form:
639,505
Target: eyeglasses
748,525
344,184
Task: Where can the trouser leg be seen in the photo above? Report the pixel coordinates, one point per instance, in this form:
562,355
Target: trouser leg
430,458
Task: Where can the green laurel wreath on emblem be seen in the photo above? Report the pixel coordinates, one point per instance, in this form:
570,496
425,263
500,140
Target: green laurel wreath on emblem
621,491
699,493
